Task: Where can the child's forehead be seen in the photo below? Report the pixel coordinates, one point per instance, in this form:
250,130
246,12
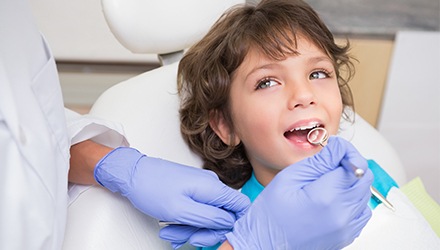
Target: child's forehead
274,52
257,59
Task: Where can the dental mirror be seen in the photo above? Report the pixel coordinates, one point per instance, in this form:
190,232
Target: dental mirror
317,136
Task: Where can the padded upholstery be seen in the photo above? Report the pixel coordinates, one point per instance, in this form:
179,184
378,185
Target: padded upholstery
147,107
161,27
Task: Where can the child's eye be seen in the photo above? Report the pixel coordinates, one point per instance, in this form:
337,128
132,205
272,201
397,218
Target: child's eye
266,83
319,75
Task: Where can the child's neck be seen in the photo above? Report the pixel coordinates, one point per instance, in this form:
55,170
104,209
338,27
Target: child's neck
264,175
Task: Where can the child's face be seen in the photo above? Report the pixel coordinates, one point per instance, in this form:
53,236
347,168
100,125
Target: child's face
270,98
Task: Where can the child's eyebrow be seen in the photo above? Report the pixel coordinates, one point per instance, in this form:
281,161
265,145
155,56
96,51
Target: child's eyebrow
270,65
260,67
317,59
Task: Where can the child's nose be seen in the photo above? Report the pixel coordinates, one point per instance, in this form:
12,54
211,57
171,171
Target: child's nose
301,96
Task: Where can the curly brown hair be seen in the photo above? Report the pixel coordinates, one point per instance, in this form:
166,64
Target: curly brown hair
206,70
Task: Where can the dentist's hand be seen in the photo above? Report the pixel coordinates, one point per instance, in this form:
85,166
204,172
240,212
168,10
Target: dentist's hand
172,192
316,203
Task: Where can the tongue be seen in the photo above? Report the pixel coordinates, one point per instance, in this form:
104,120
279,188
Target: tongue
297,135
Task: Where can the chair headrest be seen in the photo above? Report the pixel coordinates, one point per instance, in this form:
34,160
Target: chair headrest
162,26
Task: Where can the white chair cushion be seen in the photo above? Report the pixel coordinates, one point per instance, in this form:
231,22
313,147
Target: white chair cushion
165,26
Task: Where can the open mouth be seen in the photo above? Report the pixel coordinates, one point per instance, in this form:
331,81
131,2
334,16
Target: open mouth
299,134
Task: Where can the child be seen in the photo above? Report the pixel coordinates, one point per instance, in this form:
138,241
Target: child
256,84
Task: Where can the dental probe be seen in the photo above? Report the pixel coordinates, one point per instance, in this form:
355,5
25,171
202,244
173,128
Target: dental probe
318,136
358,172
381,198
167,223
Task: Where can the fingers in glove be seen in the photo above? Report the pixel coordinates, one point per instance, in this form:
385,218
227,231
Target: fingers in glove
200,215
207,237
338,186
199,237
221,196
360,208
177,234
362,220
216,207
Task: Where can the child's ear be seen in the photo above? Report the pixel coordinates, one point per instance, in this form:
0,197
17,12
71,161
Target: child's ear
218,123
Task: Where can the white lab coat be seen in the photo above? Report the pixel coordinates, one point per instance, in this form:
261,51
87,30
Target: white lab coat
34,146
34,139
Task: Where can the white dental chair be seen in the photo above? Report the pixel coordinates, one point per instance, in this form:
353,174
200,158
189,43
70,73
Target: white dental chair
147,107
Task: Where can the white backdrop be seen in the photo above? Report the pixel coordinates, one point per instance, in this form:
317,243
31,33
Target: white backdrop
77,31
410,117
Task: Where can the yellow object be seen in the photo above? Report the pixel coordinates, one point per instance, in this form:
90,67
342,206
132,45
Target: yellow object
428,207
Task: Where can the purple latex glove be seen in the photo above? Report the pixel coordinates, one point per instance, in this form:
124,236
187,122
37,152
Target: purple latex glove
171,192
316,203
178,235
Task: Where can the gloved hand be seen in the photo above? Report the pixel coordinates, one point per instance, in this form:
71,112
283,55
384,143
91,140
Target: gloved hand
199,237
312,204
172,192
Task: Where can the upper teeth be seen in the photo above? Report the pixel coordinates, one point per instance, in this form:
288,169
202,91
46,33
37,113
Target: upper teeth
311,126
